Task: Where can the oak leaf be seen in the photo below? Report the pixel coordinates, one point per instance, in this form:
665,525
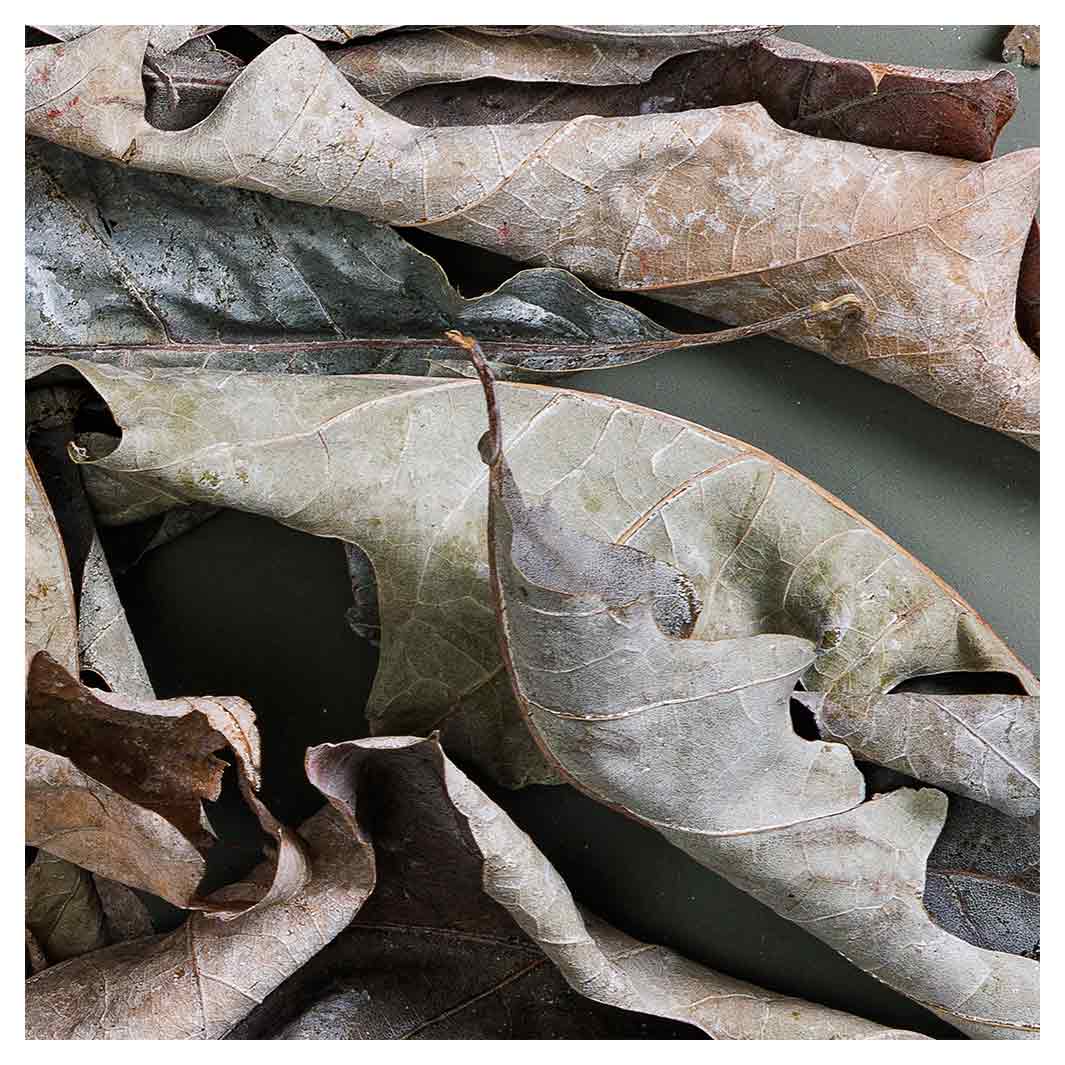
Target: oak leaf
767,551
693,738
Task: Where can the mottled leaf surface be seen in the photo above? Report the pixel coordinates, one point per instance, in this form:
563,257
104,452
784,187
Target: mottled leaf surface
150,270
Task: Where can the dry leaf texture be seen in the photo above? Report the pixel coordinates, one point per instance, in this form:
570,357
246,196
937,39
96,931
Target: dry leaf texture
767,551
983,746
116,784
199,981
63,910
721,211
693,737
386,68
51,620
1022,42
307,290
458,881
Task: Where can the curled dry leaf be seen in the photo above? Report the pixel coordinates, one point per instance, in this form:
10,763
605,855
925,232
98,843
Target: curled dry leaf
116,784
308,290
199,981
386,68
1022,42
983,746
105,641
720,211
945,112
467,903
768,551
693,737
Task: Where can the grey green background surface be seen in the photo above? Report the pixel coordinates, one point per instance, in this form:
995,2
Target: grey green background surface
247,607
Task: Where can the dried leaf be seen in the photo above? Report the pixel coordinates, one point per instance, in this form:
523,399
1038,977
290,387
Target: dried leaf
985,747
116,785
165,38
199,981
946,112
385,68
63,910
307,290
125,914
51,621
693,738
105,641
471,933
1022,42
720,211
983,878
767,551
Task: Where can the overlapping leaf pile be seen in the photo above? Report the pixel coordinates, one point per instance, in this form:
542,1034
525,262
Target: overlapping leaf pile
590,591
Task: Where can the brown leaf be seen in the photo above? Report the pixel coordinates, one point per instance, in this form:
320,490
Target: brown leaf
1022,42
1028,291
470,933
945,112
199,981
720,211
116,784
693,738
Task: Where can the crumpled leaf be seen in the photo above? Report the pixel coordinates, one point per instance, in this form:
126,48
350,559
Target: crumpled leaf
200,980
116,785
63,910
385,68
70,912
471,933
125,914
105,643
693,738
1022,42
946,112
305,290
767,551
985,747
720,211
